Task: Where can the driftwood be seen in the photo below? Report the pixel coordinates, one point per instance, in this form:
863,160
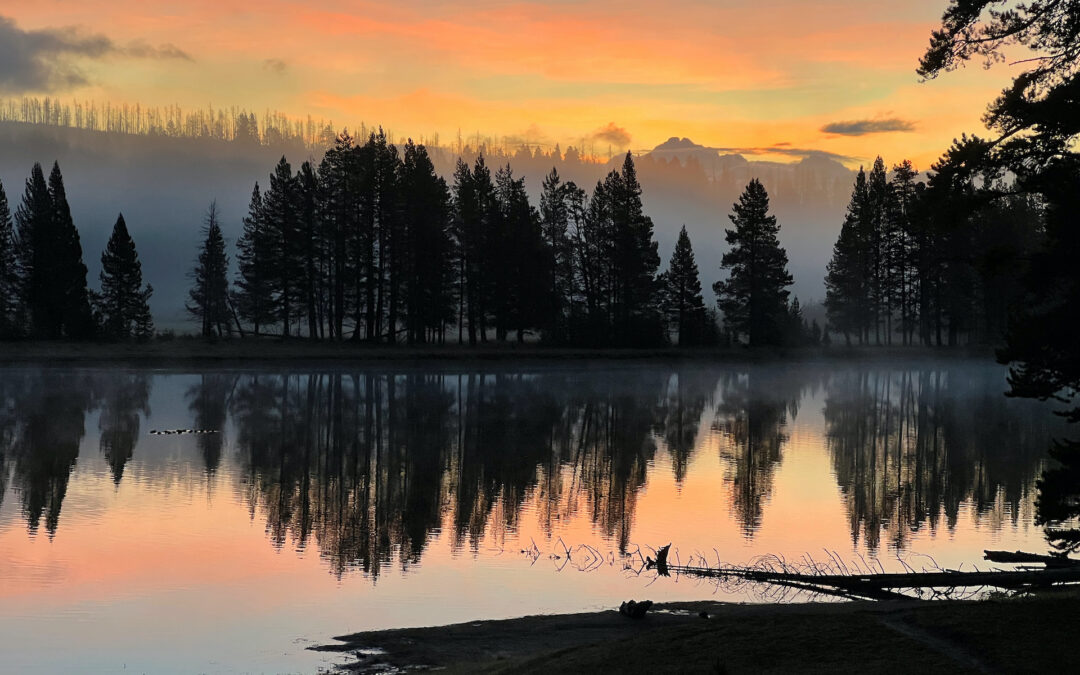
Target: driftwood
1022,557
835,579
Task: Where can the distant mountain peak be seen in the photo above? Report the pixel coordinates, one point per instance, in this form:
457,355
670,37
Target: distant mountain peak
676,143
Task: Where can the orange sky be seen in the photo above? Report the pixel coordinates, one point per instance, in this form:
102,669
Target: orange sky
724,73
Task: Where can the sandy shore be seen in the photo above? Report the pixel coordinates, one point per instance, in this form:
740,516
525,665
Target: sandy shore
1014,635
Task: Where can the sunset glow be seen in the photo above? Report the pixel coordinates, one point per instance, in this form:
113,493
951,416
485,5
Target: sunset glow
599,75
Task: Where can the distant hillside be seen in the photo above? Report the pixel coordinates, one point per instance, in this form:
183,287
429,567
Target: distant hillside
163,186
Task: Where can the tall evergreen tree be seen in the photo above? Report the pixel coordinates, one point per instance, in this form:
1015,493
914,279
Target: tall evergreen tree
636,260
72,294
847,288
338,212
428,269
309,250
254,292
877,192
285,246
903,246
209,296
754,296
34,223
54,276
124,302
9,271
684,304
557,207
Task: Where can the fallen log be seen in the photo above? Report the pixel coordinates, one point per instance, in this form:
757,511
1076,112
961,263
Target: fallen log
1023,557
887,585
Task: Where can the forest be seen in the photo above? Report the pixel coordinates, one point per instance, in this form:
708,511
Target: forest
373,245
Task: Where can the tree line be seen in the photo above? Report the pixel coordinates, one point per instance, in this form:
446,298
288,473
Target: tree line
43,289
373,245
931,262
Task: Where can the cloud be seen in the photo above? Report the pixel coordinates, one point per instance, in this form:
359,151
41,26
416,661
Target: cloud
45,60
615,135
141,50
275,66
801,153
861,127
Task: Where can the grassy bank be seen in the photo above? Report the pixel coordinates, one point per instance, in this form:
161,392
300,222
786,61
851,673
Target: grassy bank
189,350
1012,635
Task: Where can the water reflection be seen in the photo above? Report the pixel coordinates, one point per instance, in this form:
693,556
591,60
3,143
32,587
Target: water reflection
910,447
43,425
370,466
752,417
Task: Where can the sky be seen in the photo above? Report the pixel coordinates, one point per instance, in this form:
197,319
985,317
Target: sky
835,77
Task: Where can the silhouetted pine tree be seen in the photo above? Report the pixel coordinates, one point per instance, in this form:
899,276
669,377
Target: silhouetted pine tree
70,271
34,224
428,270
338,212
684,304
903,246
9,271
209,296
476,222
847,286
124,302
878,246
754,296
530,270
558,203
285,247
309,249
636,261
54,289
254,295
594,271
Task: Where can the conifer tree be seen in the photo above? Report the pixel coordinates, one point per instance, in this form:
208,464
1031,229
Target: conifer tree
428,268
254,296
284,270
877,193
846,283
71,293
9,271
636,259
685,306
209,296
338,213
34,224
556,212
309,250
754,296
124,302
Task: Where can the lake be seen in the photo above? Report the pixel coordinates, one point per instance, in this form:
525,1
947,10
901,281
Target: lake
299,504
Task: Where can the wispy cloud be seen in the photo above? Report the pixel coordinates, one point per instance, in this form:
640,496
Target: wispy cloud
863,127
613,134
47,59
786,151
275,66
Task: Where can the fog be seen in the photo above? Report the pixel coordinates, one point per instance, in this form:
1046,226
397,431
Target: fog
163,186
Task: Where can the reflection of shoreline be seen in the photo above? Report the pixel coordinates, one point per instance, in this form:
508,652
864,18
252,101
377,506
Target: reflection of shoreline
188,351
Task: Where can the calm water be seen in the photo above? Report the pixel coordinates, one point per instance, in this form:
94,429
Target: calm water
340,500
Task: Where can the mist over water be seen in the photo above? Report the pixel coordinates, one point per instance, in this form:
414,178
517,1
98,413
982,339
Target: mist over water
324,501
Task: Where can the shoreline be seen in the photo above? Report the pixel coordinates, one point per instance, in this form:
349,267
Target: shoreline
195,351
1031,634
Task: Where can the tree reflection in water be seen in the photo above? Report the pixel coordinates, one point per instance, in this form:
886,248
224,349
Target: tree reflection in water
370,466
